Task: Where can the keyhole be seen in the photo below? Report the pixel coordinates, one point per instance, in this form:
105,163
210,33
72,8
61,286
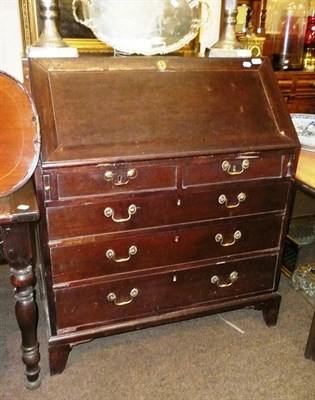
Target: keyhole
119,178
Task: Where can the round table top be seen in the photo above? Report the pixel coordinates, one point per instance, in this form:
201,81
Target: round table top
19,135
305,173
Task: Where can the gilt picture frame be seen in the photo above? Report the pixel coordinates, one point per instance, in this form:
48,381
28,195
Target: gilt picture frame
72,32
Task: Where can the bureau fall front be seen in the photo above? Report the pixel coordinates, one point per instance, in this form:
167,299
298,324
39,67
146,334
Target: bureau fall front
165,188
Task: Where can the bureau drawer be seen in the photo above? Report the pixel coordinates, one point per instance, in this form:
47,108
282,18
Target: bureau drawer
110,215
126,299
115,178
129,253
233,168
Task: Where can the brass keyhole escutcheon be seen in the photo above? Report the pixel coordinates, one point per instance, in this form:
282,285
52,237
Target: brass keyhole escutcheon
161,64
232,169
121,178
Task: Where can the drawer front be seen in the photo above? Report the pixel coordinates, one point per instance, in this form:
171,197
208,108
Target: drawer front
115,178
306,86
140,252
285,86
125,299
233,168
110,215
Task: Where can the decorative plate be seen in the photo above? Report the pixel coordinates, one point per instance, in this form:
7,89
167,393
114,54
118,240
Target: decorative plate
304,125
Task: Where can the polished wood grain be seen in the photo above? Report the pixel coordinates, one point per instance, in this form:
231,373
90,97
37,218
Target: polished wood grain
19,135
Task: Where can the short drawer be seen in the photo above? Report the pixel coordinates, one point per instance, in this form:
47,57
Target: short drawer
233,168
125,299
101,257
110,215
115,178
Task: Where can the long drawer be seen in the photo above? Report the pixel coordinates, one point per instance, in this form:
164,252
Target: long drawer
125,299
101,257
138,212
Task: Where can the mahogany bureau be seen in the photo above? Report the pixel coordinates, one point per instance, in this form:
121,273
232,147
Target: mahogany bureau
164,187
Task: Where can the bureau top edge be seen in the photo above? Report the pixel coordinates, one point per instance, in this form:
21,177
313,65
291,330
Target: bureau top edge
140,112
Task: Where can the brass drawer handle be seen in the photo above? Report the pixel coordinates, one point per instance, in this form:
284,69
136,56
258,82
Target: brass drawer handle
109,212
117,179
216,280
111,297
312,85
231,170
219,238
224,200
110,254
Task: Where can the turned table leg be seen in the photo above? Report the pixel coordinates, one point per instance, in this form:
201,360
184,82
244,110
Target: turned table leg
18,250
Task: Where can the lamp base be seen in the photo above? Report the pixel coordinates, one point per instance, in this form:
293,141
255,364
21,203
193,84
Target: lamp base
241,53
51,52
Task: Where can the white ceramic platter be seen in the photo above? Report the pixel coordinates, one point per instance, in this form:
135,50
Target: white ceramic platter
305,128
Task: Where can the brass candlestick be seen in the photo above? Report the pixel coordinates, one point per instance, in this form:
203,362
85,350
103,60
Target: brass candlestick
50,42
228,45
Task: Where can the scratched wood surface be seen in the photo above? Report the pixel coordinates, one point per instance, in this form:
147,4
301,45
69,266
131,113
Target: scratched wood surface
20,206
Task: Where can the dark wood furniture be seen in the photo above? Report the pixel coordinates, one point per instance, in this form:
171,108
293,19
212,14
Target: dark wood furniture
18,213
298,88
19,149
164,189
